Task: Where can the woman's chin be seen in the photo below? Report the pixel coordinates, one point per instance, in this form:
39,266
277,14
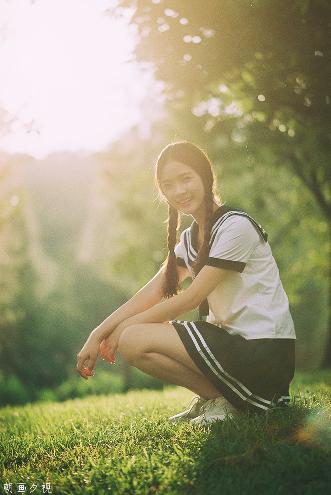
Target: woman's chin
188,211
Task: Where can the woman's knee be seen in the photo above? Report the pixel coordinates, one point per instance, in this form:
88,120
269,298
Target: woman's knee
129,346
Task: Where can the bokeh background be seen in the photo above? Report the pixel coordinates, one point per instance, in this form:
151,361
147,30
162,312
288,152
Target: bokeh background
90,92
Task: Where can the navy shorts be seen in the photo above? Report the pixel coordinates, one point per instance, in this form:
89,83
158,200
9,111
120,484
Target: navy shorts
253,375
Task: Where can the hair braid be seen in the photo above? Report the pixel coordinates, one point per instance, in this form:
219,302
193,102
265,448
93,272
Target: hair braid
194,157
204,250
171,286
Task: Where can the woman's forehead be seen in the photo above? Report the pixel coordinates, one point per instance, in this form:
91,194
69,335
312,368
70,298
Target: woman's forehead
173,169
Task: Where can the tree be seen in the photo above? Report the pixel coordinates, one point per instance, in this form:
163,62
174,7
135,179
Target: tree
255,75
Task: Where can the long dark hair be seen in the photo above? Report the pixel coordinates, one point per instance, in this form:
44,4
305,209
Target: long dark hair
191,155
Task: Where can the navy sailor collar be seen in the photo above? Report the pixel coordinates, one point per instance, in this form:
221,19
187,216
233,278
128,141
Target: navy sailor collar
215,216
221,210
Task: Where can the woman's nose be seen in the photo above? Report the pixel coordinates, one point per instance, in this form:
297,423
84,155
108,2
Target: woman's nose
179,188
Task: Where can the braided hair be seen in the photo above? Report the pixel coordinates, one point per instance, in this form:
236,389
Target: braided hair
191,155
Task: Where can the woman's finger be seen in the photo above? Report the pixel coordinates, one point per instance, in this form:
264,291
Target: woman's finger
110,354
105,350
102,350
89,371
91,361
86,373
110,358
80,362
80,367
103,345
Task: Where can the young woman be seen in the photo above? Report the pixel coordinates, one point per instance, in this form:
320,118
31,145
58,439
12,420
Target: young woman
242,357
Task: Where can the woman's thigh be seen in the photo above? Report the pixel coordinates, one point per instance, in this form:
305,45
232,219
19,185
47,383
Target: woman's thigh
162,338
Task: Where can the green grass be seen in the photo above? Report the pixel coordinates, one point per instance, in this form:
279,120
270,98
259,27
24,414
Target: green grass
124,444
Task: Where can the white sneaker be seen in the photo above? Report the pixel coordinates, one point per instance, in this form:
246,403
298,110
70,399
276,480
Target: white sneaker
217,409
194,409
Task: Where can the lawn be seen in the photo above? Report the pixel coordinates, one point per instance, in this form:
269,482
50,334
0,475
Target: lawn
124,444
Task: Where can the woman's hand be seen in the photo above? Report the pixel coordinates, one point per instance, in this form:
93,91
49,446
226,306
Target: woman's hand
109,346
97,345
89,352
105,352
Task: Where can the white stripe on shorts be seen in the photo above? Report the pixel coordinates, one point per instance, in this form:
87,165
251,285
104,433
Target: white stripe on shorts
244,393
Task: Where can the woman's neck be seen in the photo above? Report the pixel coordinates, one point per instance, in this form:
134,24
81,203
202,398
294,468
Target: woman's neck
199,217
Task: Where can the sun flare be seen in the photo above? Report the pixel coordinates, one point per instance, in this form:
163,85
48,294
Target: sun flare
67,78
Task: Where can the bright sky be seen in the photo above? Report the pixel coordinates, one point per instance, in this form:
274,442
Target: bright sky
66,77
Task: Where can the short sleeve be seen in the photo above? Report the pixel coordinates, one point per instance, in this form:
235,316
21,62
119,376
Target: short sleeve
233,244
180,251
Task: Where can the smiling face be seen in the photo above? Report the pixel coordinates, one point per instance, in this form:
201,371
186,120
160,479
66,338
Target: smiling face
182,187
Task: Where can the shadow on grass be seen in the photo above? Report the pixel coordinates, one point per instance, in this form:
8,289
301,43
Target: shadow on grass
281,453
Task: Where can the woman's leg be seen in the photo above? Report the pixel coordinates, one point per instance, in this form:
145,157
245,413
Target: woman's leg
156,349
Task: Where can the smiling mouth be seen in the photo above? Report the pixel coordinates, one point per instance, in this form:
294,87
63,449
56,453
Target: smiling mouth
183,203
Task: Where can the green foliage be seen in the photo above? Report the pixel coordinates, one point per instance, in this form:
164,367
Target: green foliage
106,382
252,77
103,383
125,444
43,322
12,391
253,73
141,380
140,248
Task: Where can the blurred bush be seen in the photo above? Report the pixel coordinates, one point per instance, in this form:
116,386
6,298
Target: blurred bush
13,391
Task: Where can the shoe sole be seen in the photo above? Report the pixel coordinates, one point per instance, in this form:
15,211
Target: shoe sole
211,420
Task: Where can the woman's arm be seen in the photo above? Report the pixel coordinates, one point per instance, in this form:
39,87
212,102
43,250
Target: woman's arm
145,298
205,282
142,301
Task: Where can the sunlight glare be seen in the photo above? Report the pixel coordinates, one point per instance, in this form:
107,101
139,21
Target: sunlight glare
66,76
